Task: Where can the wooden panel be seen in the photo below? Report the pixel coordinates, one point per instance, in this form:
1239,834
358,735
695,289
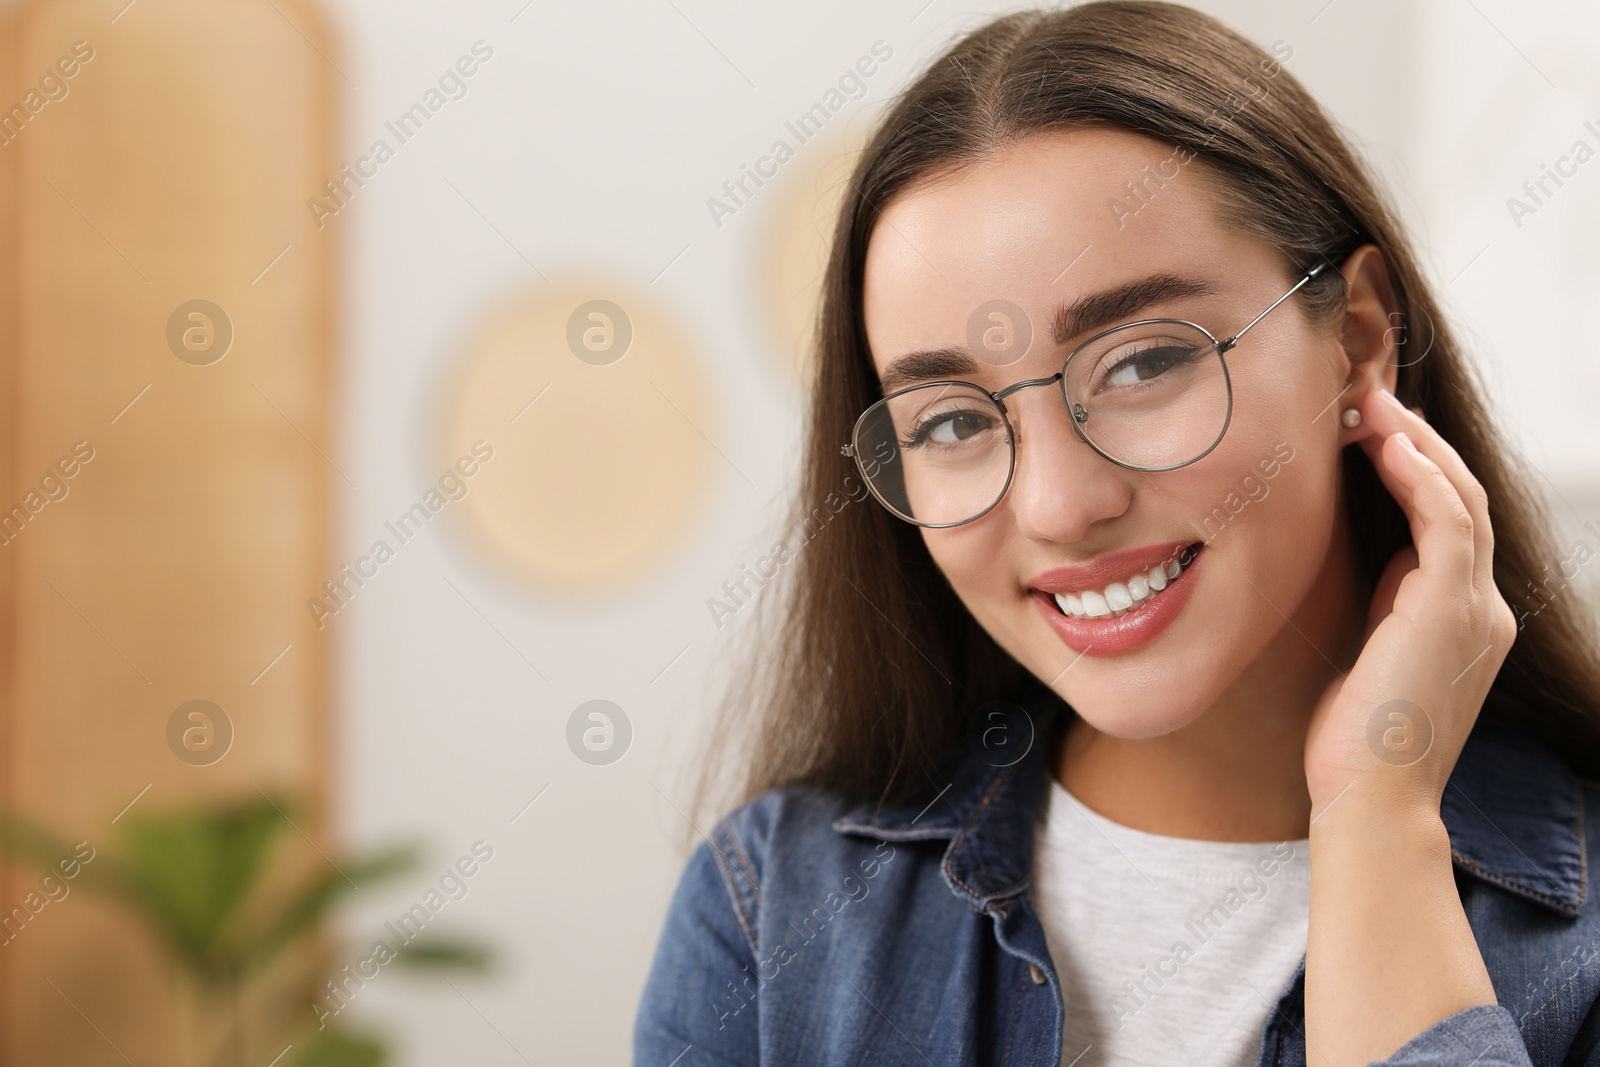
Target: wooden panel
10,887
173,165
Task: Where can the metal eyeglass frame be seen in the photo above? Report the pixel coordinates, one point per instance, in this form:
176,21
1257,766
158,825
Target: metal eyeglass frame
1076,411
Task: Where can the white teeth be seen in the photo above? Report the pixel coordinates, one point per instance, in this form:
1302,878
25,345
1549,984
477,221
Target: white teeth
1069,604
1119,597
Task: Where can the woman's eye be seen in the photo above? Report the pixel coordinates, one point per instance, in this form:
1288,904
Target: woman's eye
953,427
1148,363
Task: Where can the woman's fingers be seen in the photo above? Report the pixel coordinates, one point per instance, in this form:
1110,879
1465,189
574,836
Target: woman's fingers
1403,563
1442,527
1372,445
1386,416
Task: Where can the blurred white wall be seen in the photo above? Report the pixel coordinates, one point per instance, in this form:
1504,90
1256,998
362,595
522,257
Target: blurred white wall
587,148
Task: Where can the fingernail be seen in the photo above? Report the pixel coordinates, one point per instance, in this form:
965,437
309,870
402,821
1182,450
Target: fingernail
1405,440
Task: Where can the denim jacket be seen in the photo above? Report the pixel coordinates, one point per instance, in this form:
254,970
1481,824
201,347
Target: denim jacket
803,933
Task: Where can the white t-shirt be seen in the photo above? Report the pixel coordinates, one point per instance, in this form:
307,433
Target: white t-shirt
1169,950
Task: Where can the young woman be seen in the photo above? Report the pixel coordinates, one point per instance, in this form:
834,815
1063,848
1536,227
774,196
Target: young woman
1197,684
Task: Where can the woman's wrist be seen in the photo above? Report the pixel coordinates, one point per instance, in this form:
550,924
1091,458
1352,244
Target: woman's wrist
1389,951
1369,809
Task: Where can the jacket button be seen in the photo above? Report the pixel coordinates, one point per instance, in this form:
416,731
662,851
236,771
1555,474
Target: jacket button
1038,975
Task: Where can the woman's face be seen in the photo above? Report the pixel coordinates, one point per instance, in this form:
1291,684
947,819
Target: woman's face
1053,222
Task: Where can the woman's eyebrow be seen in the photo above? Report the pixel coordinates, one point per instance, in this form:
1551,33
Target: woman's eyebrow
1109,307
1091,312
932,365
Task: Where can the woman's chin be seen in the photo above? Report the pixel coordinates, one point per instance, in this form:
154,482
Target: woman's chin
1133,718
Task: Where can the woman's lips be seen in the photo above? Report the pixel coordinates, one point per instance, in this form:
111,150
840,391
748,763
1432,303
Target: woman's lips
1102,570
1124,633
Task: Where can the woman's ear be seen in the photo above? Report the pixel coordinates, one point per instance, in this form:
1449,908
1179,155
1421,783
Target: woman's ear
1371,332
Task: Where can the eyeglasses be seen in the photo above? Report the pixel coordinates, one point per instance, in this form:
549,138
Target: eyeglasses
1152,395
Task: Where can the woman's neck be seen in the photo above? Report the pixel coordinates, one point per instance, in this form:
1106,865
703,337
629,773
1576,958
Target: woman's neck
1237,772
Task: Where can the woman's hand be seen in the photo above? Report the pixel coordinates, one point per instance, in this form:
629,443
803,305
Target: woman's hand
1437,631
1389,951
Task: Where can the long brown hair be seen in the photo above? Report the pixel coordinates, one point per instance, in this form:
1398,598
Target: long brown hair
870,664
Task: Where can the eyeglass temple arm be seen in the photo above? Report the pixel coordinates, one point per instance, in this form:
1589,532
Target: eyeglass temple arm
1312,273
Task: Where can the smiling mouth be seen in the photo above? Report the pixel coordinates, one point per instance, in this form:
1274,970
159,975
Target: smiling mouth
1131,593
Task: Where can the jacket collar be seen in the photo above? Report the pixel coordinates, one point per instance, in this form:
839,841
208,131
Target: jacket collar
1514,811
1512,808
988,808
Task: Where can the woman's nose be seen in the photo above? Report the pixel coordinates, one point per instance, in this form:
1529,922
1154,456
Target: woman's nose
1061,486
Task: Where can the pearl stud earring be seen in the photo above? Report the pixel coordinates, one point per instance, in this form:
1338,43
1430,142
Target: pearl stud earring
1351,417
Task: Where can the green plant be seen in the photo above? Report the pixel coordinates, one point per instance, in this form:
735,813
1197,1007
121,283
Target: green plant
219,888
